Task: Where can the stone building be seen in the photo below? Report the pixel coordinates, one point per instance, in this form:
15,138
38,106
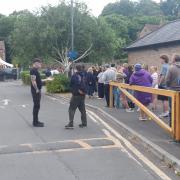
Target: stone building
148,28
164,40
2,51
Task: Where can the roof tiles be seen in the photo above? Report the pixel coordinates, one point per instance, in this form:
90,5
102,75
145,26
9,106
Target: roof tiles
168,33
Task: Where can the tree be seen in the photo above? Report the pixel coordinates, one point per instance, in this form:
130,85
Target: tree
123,7
170,7
25,38
119,24
63,59
46,34
148,8
104,41
6,28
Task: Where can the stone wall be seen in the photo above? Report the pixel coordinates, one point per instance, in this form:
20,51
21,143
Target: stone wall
151,56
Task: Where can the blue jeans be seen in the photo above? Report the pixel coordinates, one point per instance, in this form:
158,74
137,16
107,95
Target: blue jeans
116,93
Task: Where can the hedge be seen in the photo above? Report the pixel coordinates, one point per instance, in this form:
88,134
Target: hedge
25,76
59,84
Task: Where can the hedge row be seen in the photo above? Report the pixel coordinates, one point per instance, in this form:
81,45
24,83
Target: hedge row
59,84
25,76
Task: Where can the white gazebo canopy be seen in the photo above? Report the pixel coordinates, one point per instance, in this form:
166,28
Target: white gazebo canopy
4,63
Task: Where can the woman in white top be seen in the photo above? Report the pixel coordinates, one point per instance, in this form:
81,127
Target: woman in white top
100,84
154,75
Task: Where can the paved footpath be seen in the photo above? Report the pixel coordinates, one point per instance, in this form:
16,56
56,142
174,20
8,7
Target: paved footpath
97,152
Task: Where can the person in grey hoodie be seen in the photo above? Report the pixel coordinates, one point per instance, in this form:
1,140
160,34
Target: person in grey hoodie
173,79
108,75
173,75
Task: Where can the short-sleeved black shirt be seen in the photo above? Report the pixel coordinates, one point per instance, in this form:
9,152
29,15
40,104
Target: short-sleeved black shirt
36,73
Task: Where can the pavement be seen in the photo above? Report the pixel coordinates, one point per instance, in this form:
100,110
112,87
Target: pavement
98,152
146,133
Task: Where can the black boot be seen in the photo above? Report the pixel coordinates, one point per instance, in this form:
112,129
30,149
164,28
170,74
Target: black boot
69,126
38,124
82,125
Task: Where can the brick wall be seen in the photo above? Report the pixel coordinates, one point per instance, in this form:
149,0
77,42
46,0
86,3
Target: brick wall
151,56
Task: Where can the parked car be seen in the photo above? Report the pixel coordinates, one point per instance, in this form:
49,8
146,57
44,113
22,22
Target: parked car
8,73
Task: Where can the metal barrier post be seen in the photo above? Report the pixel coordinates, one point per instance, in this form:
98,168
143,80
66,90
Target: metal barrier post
110,96
177,117
173,116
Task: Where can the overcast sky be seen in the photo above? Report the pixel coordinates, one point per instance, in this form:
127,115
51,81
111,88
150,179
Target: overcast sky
8,6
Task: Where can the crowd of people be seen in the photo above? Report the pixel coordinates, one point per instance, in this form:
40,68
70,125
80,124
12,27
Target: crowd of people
97,81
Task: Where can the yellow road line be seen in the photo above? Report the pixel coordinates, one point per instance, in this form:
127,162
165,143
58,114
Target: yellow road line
70,150
83,144
144,159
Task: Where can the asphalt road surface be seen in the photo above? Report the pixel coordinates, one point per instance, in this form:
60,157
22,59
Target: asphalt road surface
97,152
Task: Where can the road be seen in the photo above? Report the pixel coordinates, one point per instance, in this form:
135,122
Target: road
98,152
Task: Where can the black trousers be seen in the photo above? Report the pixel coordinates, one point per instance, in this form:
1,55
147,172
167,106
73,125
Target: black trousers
106,93
36,100
77,102
101,90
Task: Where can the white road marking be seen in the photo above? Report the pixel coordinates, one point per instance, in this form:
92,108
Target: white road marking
63,102
91,117
6,102
52,98
160,173
118,143
55,99
24,105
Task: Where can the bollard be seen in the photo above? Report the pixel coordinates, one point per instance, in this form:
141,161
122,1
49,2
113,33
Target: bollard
110,96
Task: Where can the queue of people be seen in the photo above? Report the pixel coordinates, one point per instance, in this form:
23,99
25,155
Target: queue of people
139,74
94,82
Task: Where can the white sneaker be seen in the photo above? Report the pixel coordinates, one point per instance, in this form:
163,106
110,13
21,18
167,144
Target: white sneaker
142,119
129,110
138,109
166,114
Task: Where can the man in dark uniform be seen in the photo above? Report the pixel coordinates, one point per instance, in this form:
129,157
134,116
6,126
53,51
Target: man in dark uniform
36,85
78,90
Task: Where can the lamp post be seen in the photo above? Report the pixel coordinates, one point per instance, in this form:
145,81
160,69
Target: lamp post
72,25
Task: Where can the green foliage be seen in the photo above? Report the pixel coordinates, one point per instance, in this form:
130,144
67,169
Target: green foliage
148,8
170,7
58,85
25,77
123,7
28,35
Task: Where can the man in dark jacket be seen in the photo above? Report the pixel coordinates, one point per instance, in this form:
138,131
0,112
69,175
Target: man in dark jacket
78,90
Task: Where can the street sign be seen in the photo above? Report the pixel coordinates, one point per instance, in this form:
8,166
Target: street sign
72,55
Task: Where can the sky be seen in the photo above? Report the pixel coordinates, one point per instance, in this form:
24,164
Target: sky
8,6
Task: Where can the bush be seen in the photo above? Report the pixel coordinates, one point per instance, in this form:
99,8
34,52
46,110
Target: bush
58,85
25,76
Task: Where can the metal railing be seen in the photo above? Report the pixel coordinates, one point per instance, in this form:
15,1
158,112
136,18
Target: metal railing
174,130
